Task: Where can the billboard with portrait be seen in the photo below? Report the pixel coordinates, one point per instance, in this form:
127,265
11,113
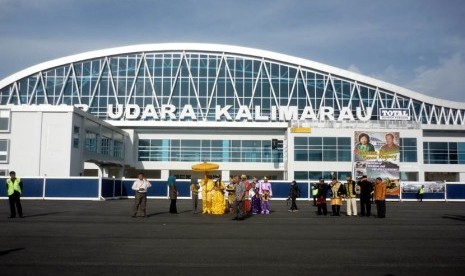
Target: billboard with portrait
377,154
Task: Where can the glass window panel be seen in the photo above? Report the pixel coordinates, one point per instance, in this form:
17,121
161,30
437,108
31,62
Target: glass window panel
329,155
314,175
315,141
3,145
315,155
344,141
343,175
300,175
300,141
301,155
329,141
345,156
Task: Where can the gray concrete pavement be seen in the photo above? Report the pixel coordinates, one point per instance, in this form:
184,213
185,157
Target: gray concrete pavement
101,238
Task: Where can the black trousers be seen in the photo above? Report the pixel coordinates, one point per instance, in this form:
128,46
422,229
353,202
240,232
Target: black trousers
15,200
293,204
322,207
365,206
381,208
173,209
336,210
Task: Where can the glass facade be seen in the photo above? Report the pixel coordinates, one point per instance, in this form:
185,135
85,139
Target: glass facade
444,152
316,175
205,79
408,150
209,150
322,149
4,149
76,137
5,120
103,145
91,141
118,149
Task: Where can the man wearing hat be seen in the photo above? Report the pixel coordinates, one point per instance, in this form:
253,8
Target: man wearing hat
14,188
321,198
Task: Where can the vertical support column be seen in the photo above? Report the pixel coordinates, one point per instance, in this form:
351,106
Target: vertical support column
225,175
103,171
100,188
44,186
164,174
445,191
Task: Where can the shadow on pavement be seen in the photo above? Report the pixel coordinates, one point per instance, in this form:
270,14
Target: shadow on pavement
43,214
454,217
6,252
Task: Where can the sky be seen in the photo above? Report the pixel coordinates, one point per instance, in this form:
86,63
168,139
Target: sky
419,45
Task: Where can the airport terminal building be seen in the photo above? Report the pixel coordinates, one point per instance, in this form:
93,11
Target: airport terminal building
160,108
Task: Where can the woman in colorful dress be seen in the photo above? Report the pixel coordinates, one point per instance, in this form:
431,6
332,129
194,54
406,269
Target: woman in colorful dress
218,203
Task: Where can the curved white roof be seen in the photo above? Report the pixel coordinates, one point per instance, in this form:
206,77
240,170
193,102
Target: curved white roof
233,50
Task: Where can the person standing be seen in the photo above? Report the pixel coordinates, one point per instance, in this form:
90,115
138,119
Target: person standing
195,194
207,188
314,193
351,197
140,187
218,203
256,204
173,194
230,189
239,196
265,194
321,198
380,198
14,187
366,188
336,200
248,186
421,192
294,193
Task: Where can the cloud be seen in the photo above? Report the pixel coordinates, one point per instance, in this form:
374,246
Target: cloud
390,74
354,68
445,81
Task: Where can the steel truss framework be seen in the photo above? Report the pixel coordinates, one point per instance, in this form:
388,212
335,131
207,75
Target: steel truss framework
205,79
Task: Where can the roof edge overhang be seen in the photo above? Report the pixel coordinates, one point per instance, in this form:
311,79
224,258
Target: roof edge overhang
223,48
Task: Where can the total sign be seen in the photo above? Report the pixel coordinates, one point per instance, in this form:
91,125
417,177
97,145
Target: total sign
394,114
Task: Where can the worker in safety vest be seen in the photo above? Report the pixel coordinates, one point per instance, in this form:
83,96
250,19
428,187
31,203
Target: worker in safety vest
314,193
14,188
421,192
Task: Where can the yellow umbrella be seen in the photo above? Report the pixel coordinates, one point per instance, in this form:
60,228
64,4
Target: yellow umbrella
205,167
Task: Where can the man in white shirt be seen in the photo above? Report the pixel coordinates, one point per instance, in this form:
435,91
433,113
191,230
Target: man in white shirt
140,187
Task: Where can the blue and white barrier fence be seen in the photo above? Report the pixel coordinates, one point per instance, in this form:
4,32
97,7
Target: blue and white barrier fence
95,188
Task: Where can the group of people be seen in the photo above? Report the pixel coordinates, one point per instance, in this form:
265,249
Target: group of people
239,197
364,189
244,197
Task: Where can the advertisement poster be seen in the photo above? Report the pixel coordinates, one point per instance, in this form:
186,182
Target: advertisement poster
430,187
377,154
